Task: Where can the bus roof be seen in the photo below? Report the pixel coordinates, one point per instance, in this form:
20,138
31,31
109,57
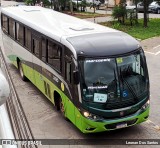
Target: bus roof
53,23
95,39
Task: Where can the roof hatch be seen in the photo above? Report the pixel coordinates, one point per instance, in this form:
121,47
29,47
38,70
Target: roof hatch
81,28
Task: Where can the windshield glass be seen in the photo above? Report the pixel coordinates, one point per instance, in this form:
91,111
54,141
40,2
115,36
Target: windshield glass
106,79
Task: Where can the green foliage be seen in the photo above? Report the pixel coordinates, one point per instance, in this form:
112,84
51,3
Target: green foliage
46,3
118,12
33,2
138,31
30,2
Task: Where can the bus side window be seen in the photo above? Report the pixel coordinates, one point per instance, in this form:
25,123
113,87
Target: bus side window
54,55
5,23
44,51
68,69
36,47
27,42
19,33
12,28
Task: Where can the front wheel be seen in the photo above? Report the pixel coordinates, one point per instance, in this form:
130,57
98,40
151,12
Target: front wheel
158,11
23,77
62,109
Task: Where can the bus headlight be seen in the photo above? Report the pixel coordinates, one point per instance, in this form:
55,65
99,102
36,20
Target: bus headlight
86,114
91,116
146,105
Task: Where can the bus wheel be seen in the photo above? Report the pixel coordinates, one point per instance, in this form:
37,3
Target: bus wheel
61,106
21,72
62,110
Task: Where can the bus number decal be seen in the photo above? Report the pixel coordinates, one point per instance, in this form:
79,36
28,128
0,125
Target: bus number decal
55,79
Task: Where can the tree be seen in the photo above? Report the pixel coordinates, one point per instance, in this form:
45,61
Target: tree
119,11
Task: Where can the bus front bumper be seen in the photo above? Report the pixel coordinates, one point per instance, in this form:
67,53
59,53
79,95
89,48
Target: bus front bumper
91,126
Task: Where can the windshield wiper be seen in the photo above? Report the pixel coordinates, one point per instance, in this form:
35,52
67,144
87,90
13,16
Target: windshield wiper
128,85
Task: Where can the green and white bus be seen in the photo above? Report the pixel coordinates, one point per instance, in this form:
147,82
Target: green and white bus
96,76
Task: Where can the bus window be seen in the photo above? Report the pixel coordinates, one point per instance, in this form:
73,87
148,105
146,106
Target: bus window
44,51
19,33
5,23
28,39
54,55
12,28
68,71
36,47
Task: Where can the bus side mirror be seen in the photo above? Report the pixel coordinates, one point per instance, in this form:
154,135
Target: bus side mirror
4,89
76,77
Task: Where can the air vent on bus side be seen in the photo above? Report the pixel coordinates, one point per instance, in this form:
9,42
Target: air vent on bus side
31,9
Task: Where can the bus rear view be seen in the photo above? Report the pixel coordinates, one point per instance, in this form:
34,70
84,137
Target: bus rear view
114,82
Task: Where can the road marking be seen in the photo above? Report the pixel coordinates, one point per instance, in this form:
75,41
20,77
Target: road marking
153,125
149,52
157,53
156,47
153,53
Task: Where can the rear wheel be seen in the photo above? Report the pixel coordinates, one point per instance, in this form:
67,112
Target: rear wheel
23,77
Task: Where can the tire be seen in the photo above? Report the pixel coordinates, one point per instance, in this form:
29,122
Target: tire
158,11
62,110
23,77
61,107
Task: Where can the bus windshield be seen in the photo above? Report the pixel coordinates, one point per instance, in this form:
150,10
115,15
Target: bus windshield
106,79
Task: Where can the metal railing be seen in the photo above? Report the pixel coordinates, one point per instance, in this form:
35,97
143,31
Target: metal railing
20,125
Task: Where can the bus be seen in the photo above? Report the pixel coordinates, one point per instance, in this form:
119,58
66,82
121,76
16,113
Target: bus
95,76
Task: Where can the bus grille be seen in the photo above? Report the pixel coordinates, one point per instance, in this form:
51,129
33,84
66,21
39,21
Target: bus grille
113,126
119,104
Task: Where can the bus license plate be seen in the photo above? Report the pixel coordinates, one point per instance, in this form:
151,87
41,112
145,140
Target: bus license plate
122,125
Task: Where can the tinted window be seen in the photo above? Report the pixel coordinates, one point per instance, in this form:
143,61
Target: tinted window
54,55
68,71
19,33
36,47
44,51
5,23
28,39
12,28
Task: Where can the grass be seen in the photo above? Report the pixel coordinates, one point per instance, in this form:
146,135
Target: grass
84,15
137,30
